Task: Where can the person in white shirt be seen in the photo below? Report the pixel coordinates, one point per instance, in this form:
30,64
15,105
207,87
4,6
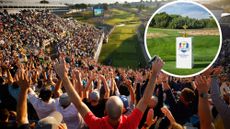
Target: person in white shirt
43,104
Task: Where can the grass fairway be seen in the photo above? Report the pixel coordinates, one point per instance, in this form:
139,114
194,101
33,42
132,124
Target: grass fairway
163,44
123,47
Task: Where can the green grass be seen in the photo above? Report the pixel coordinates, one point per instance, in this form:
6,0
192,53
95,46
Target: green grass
123,47
204,50
170,66
119,16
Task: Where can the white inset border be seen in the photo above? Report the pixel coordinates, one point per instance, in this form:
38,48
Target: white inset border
191,2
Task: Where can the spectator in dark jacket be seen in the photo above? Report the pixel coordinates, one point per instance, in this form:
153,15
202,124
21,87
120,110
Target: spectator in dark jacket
181,109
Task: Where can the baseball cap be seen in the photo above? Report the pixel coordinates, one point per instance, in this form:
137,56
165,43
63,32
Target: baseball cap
50,122
125,101
64,100
94,95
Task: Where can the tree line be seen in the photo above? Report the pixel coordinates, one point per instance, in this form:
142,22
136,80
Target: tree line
85,6
164,20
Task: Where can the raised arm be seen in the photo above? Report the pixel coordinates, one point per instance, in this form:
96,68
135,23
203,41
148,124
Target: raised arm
131,91
57,89
76,76
9,76
6,66
112,84
51,77
23,81
107,90
219,103
170,98
61,70
156,68
116,90
204,112
168,114
88,86
149,119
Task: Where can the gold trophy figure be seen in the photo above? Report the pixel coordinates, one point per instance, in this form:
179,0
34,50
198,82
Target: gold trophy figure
185,28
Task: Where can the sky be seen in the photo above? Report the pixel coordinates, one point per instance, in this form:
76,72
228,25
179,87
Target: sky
91,1
186,9
101,1
81,1
109,1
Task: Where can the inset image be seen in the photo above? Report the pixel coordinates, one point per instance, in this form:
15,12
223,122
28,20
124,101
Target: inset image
186,35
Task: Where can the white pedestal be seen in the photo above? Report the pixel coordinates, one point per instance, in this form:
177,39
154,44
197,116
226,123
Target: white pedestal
184,57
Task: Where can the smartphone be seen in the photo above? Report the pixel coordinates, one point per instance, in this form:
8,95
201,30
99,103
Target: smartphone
152,61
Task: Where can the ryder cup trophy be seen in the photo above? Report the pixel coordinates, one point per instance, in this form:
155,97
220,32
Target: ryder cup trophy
184,55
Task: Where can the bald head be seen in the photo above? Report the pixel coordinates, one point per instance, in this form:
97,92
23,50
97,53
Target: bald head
114,107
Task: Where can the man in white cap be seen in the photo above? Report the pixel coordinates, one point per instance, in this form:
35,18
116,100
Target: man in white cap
95,104
52,121
70,114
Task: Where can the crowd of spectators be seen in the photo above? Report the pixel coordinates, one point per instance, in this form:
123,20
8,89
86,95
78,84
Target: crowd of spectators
33,29
74,91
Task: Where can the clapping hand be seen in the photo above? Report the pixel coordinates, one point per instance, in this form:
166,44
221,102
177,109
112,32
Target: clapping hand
157,65
60,68
168,114
149,120
22,79
202,84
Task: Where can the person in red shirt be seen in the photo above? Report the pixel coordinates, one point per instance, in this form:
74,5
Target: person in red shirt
114,118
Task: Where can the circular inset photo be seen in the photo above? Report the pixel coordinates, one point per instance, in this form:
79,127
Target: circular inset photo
186,35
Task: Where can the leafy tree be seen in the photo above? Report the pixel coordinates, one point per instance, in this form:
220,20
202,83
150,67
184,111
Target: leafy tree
105,6
164,20
80,6
44,2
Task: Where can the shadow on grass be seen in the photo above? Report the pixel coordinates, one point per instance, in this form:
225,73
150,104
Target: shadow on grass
127,55
201,65
198,66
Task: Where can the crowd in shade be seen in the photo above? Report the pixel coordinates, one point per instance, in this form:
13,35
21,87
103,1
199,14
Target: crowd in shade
73,91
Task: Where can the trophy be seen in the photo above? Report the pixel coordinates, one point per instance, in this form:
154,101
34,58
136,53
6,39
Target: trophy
185,28
184,51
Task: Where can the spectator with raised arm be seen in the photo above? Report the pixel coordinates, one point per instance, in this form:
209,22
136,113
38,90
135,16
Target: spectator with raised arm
222,107
70,114
204,111
114,105
181,109
43,104
173,123
96,103
150,119
53,121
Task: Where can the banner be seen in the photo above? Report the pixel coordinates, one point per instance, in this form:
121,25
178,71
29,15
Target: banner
184,55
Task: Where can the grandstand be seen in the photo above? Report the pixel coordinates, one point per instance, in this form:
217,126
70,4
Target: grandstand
43,29
14,6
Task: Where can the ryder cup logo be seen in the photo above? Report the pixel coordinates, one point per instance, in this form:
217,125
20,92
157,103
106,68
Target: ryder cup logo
183,46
